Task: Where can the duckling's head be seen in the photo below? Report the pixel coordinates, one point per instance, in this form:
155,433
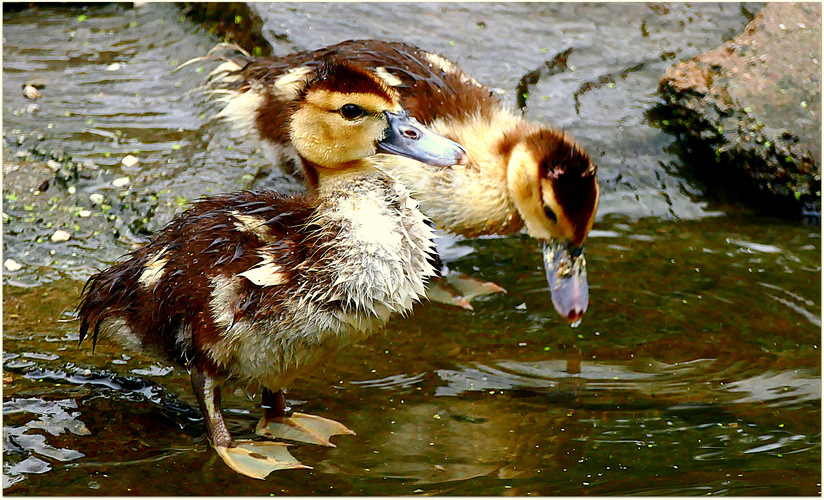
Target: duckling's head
344,114
553,184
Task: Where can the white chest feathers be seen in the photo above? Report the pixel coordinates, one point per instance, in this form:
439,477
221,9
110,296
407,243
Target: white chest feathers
379,256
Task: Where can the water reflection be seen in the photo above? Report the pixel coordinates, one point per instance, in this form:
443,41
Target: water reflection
525,436
631,385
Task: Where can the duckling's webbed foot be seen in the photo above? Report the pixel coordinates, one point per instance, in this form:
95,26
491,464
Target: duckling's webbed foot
302,427
258,459
457,289
297,427
250,458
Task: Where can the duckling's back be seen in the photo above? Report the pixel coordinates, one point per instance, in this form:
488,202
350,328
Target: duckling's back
161,293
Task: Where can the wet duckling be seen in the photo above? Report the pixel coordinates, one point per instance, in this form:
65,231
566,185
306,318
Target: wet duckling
520,175
255,288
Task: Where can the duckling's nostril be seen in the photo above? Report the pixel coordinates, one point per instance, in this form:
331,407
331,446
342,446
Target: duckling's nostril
411,133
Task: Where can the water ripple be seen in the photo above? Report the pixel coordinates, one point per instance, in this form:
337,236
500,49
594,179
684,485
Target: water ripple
794,303
400,380
750,247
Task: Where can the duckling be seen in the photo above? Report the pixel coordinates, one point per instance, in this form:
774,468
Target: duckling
520,175
255,288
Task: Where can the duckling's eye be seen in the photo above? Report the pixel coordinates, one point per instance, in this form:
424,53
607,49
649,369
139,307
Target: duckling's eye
352,111
550,214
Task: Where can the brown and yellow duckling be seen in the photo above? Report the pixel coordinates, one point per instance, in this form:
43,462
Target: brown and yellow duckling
256,288
520,175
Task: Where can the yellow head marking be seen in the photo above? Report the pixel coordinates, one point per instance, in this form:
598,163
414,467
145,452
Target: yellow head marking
322,130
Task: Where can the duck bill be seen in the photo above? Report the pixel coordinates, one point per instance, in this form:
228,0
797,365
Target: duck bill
566,273
405,136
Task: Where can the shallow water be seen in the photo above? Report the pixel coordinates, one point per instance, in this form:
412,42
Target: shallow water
696,370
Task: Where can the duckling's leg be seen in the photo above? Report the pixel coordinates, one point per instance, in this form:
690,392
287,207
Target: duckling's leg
457,289
297,427
251,458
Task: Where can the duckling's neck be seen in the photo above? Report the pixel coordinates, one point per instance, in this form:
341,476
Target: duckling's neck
319,178
473,199
326,179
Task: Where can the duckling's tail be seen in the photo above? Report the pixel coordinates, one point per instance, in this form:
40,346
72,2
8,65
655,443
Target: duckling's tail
231,58
229,87
213,55
109,293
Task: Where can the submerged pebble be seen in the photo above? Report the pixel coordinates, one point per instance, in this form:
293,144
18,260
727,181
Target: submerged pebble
129,161
120,182
12,265
96,198
60,235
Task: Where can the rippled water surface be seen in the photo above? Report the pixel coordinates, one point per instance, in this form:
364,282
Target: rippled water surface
696,370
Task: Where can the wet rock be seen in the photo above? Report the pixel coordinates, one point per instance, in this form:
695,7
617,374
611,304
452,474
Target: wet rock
235,22
121,181
753,106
